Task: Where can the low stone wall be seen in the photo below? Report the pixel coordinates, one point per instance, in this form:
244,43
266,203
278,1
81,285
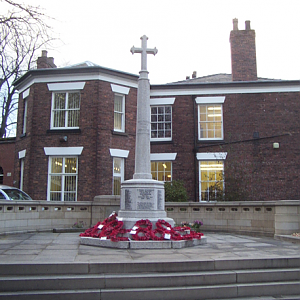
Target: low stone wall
240,217
258,218
26,216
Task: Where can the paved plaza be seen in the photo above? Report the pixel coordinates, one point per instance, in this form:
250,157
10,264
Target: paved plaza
49,247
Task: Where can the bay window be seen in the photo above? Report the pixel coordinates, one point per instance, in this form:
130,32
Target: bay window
62,178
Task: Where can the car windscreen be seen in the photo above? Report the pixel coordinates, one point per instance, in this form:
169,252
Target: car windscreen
15,194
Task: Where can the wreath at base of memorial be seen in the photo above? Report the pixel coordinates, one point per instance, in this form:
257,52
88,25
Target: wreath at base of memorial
142,234
112,229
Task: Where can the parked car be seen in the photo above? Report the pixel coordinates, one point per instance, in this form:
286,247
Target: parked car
12,193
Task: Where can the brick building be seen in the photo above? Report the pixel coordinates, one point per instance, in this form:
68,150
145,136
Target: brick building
238,133
7,150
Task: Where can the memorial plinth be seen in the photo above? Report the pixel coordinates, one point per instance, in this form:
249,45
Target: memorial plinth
142,197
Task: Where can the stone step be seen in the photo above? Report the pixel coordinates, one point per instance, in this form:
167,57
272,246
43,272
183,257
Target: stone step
153,280
150,267
232,291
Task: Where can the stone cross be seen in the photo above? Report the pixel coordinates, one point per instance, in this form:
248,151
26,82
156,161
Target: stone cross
144,52
142,144
142,197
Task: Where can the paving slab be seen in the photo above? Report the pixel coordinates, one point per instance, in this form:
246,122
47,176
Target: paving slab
65,247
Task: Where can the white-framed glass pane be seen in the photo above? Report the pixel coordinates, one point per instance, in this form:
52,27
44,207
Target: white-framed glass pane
63,179
161,122
119,112
25,116
73,109
66,110
118,174
211,180
161,170
210,121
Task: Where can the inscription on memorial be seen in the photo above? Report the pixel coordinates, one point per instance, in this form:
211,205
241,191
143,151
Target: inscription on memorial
159,200
145,194
128,200
145,206
145,199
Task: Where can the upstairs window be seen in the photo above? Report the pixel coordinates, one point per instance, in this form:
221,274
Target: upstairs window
119,113
161,118
25,94
210,118
210,122
161,122
120,93
65,110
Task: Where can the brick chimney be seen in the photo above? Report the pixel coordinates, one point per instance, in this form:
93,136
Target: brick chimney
243,53
45,62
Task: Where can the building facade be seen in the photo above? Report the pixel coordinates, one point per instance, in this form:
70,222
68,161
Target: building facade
234,136
7,150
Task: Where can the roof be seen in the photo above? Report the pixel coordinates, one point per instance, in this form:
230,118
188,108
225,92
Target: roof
84,64
214,78
86,67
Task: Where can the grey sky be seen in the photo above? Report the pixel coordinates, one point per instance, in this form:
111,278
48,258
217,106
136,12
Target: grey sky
190,35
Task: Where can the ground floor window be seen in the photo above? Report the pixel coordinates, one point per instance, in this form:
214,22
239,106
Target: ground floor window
161,170
62,179
118,175
1,175
211,180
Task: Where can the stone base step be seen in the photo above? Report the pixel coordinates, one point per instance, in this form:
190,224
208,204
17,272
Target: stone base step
153,280
232,291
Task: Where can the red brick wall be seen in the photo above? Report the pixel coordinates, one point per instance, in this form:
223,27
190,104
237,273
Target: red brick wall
243,55
95,165
268,174
7,150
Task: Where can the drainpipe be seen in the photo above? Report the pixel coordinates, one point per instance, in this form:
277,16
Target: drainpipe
195,147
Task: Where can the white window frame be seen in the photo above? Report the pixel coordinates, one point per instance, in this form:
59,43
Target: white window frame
164,173
210,156
162,158
206,101
22,162
118,154
63,175
121,113
66,110
120,91
25,94
161,102
117,174
22,155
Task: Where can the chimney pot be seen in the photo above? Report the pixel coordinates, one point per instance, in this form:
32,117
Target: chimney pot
44,53
235,24
194,75
247,25
187,77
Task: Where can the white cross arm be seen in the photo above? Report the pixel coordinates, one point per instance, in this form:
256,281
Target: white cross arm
140,50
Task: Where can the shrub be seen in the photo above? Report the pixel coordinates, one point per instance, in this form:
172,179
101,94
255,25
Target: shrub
175,191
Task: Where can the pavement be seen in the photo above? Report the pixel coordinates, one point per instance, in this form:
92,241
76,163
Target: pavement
47,247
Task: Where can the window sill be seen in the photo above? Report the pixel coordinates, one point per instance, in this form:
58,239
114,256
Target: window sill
161,142
119,133
64,130
210,141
